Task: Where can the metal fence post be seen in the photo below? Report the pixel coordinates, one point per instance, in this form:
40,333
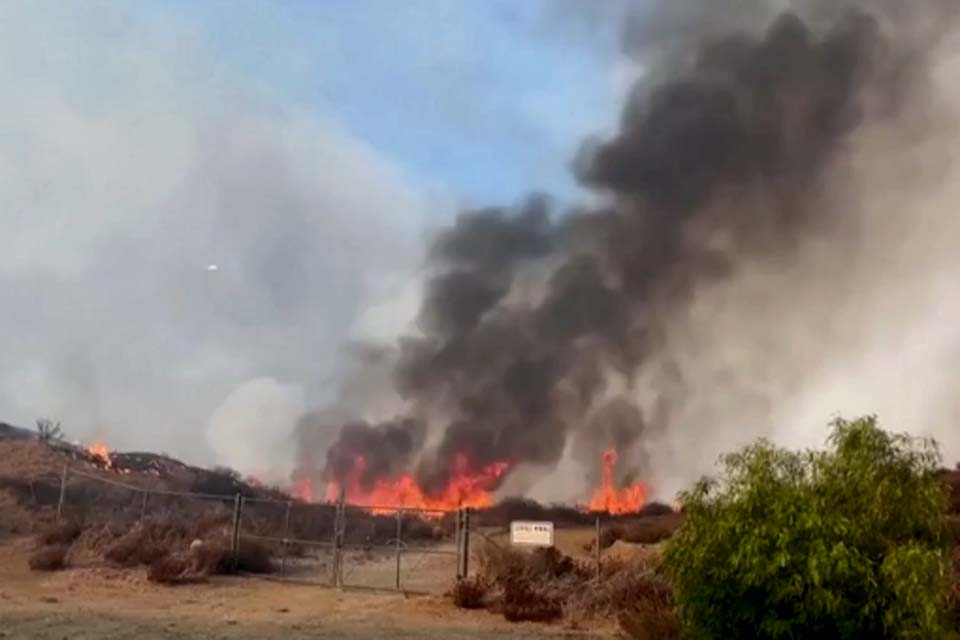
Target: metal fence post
143,505
286,534
596,544
466,542
399,533
339,525
458,536
237,513
63,492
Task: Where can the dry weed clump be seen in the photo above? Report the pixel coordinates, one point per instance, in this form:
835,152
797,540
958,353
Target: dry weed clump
134,548
156,539
531,586
215,557
470,593
62,533
545,585
170,570
651,620
647,530
52,558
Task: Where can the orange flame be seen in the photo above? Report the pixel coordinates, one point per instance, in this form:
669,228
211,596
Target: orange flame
303,489
615,501
465,488
101,453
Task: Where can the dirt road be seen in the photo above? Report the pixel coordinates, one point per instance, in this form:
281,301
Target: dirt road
113,604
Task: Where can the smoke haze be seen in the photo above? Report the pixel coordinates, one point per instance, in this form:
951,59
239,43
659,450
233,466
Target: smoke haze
131,161
771,247
765,239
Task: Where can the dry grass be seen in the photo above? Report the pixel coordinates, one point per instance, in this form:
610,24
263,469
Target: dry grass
545,585
470,593
134,548
63,533
216,557
52,558
647,530
170,570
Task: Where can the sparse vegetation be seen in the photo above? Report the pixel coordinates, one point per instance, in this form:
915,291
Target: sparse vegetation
651,614
169,570
845,543
48,430
647,530
51,558
544,585
61,533
470,593
216,557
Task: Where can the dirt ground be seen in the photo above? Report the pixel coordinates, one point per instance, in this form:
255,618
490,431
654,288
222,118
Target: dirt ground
112,604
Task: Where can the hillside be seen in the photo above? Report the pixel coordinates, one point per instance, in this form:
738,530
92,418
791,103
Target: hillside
30,472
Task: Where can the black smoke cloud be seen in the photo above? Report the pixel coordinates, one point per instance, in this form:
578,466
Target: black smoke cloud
722,155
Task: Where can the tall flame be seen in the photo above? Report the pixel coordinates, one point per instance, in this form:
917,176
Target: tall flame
465,488
609,499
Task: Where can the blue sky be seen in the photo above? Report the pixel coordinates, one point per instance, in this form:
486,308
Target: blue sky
472,97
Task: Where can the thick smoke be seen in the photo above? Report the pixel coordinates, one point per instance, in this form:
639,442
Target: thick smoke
735,174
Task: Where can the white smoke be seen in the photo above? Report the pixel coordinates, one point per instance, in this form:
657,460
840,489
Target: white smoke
251,431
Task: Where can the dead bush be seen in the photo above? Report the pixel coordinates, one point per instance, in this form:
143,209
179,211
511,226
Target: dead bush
630,588
545,585
171,569
532,586
215,557
652,615
135,548
647,530
525,600
500,564
62,533
52,558
470,593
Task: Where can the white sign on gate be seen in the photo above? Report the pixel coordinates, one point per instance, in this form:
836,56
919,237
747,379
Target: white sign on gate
535,534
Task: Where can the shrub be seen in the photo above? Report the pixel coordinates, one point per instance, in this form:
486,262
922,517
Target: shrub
843,543
134,548
652,614
647,530
215,557
470,593
623,587
61,533
53,558
170,569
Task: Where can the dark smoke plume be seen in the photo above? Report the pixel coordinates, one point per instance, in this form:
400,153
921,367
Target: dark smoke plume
721,156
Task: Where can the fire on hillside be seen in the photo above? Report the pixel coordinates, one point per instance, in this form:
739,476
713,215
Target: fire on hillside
465,487
613,500
101,455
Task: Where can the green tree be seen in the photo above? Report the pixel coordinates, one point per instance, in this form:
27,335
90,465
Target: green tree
843,543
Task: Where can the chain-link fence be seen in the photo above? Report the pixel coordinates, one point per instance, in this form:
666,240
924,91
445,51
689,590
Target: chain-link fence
371,547
340,545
